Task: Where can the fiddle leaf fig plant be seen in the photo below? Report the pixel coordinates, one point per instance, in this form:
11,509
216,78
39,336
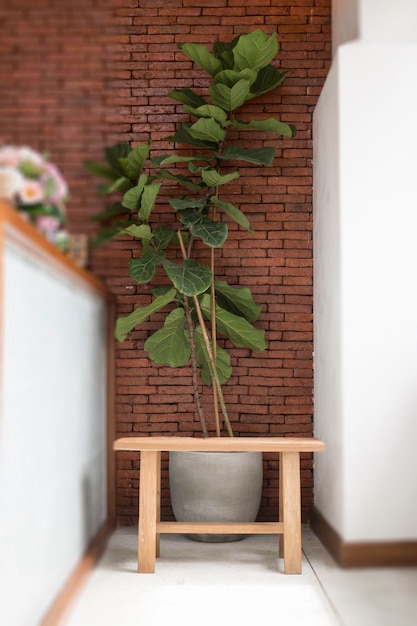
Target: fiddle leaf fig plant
199,308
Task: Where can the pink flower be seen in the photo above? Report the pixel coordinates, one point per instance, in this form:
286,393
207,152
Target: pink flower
56,189
47,224
28,180
30,192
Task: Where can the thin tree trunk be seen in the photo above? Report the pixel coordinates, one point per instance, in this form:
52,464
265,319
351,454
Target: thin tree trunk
210,358
200,409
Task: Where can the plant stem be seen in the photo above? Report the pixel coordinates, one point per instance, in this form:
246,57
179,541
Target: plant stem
214,336
212,365
214,344
194,368
213,371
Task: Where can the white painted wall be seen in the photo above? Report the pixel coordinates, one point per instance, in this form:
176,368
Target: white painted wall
327,305
388,21
365,215
377,21
52,432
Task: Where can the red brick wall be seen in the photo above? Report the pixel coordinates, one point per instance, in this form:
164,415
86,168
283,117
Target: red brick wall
80,75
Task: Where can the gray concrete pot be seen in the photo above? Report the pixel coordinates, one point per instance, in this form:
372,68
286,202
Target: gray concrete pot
215,487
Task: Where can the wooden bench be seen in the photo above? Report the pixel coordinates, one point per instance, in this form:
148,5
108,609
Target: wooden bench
288,527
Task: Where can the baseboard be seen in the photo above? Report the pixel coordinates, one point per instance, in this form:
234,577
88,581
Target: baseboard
62,602
363,554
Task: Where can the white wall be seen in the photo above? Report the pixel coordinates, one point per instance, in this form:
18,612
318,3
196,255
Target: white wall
365,224
389,21
327,350
52,432
378,21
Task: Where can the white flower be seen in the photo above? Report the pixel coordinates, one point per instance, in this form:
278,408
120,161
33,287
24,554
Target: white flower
9,156
31,156
10,182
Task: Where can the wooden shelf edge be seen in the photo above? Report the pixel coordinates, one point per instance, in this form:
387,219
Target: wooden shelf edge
14,227
222,444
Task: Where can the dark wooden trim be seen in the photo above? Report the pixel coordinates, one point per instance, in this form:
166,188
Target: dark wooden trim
366,553
63,601
326,533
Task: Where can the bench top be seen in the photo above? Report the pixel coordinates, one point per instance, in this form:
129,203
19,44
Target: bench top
220,444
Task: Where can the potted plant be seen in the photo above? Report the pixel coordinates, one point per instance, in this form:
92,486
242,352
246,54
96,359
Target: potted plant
199,308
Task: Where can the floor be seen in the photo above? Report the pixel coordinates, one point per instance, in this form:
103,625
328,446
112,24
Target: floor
239,583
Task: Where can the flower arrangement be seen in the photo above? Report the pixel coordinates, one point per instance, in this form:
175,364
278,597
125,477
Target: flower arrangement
34,186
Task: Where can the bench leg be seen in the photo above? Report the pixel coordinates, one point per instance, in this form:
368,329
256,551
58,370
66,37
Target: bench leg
281,510
148,510
291,509
158,504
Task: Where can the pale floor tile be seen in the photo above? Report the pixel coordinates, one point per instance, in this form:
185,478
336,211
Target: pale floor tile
380,596
239,583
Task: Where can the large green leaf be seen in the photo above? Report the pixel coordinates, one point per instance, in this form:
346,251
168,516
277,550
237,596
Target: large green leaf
107,234
207,129
233,212
180,204
270,125
147,201
125,166
190,278
223,367
136,159
160,290
122,184
143,270
255,50
268,78
98,169
125,324
190,216
230,98
114,155
230,77
179,178
111,211
213,179
223,50
202,57
210,111
162,237
142,231
214,234
131,198
173,158
169,345
187,96
183,135
237,328
260,156
238,300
